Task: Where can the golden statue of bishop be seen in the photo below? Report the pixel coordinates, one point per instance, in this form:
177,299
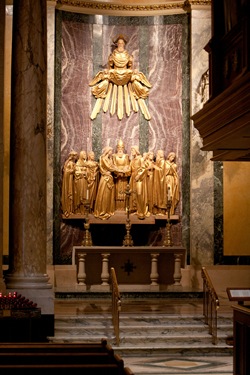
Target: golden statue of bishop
120,87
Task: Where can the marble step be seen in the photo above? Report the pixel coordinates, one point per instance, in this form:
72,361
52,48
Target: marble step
147,347
137,323
151,330
144,332
133,320
145,338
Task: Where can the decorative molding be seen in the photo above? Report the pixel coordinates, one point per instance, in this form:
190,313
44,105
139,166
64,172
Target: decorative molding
125,8
198,2
120,6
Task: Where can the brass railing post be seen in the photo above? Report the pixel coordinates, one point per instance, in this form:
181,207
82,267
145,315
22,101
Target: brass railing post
116,305
210,305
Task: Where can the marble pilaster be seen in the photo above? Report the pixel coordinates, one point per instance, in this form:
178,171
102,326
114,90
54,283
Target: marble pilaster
50,125
201,167
28,238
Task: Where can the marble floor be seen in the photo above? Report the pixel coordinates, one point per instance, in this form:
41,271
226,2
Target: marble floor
162,363
179,365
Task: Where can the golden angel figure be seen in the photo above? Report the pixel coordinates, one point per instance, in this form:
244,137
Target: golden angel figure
120,87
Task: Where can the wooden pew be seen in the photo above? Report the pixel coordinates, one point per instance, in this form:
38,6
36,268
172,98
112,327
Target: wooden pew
102,347
49,358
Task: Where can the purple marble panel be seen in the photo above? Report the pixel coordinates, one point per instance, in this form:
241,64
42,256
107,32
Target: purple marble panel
166,93
164,72
165,101
76,100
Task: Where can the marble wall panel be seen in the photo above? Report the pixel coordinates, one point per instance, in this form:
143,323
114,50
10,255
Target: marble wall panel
218,213
50,127
201,166
165,99
84,45
76,70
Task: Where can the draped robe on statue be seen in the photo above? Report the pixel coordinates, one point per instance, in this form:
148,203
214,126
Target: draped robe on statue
138,187
172,183
159,197
80,184
120,87
149,163
67,199
122,162
93,181
105,199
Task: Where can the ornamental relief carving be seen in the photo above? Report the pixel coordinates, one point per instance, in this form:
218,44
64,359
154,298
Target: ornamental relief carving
167,6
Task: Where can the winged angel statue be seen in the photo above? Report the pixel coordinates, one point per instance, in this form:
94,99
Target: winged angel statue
119,87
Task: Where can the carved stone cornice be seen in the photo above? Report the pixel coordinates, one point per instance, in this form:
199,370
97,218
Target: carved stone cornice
126,7
120,5
198,2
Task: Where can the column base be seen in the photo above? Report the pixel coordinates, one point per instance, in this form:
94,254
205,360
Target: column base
35,288
27,282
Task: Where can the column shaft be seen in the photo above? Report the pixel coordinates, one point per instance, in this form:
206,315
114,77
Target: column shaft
28,146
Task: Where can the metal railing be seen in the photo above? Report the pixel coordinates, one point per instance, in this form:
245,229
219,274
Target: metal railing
116,305
210,305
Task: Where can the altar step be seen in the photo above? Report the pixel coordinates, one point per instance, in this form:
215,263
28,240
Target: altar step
146,333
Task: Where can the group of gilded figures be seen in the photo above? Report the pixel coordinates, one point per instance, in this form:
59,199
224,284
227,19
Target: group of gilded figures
142,184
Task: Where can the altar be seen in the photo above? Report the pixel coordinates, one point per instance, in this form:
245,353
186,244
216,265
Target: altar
138,268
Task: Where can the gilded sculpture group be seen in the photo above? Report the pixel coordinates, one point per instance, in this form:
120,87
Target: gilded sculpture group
120,88
142,184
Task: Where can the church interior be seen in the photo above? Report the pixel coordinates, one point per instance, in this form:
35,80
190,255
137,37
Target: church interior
125,149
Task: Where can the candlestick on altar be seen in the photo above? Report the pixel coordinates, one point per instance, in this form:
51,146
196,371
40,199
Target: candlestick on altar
169,196
128,238
87,240
168,238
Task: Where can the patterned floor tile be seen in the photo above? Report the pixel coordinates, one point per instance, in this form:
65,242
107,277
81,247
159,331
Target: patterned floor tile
180,365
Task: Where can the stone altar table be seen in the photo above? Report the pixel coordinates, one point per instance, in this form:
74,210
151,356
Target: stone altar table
141,268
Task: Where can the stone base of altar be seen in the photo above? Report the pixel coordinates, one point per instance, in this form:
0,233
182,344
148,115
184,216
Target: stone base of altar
149,266
125,288
65,278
